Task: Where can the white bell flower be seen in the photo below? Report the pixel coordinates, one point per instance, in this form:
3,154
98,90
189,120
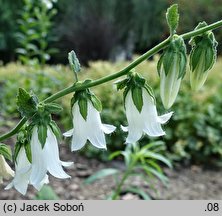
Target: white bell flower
90,129
170,84
22,174
46,158
5,170
147,121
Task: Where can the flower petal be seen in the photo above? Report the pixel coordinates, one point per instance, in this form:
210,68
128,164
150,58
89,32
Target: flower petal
51,156
164,118
134,119
107,129
68,133
40,184
80,131
124,128
94,127
66,164
39,166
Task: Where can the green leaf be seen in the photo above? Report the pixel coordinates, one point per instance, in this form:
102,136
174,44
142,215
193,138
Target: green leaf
42,134
27,103
115,154
159,157
172,17
101,174
46,193
74,62
152,145
137,98
5,151
159,175
83,103
138,191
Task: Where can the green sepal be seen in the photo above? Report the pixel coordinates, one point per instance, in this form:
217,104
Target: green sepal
150,92
56,130
96,103
120,84
27,103
53,108
137,98
175,53
28,152
16,151
5,151
203,46
23,140
42,134
74,62
172,17
83,107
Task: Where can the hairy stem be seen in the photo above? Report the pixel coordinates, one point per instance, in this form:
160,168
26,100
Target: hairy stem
113,76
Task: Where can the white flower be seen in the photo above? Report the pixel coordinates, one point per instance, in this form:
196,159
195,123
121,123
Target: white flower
170,84
5,170
22,174
90,129
147,121
46,158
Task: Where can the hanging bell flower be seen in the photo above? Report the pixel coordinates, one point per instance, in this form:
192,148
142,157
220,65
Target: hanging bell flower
5,170
23,169
87,125
172,68
141,109
202,57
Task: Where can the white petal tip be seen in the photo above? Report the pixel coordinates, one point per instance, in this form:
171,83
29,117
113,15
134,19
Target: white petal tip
125,129
68,133
107,129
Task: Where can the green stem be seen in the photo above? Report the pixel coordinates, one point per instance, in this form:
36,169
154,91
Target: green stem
119,187
120,73
125,176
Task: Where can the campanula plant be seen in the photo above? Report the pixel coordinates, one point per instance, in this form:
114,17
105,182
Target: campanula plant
36,153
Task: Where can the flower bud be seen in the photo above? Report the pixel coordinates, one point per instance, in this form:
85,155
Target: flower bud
172,68
202,57
5,170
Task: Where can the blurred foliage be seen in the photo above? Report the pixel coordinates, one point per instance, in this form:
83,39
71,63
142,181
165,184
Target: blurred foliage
9,13
193,134
34,34
46,193
106,29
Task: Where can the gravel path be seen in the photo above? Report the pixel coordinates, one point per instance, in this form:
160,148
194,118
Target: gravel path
184,183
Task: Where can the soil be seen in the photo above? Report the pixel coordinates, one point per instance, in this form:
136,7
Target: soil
184,182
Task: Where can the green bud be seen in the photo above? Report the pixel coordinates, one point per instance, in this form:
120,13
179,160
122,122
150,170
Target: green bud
74,63
202,57
171,69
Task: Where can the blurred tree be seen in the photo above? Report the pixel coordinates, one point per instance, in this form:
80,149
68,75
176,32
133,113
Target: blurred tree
9,13
109,29
98,29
